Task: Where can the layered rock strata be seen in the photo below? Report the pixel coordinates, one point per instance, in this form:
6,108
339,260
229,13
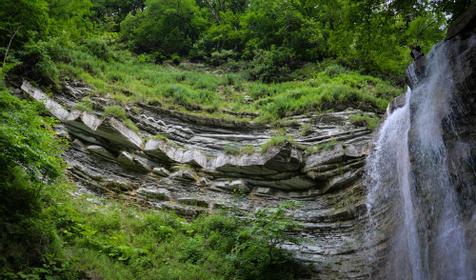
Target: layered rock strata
196,165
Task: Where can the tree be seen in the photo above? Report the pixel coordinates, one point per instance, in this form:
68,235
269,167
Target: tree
167,26
22,20
115,10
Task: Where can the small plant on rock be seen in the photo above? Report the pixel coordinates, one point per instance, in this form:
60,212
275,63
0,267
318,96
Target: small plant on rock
276,140
325,146
370,122
247,150
84,105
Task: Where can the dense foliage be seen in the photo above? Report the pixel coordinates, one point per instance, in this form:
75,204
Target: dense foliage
279,35
29,157
123,242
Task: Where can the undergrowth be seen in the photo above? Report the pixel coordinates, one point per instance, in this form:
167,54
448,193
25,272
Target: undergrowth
122,241
130,80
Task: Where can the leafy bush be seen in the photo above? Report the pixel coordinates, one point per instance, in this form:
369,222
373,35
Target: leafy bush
38,64
163,26
148,244
98,47
273,65
221,57
29,186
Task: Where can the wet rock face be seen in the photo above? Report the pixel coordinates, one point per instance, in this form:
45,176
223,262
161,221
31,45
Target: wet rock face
198,165
442,164
459,131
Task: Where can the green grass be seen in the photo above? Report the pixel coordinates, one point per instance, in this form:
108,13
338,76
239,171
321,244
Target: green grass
129,80
161,137
118,112
365,120
305,129
230,149
84,105
326,146
234,150
115,111
247,149
276,140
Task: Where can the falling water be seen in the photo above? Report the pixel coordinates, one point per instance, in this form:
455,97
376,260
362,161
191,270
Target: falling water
415,221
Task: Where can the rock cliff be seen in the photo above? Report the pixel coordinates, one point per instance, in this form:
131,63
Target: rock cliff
195,165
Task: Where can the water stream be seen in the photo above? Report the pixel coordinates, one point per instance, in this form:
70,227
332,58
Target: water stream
414,218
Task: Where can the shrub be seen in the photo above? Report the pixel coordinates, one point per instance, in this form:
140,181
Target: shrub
38,65
221,57
29,191
276,141
98,47
149,244
175,59
272,65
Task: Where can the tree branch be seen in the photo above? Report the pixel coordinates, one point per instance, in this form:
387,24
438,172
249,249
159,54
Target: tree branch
9,45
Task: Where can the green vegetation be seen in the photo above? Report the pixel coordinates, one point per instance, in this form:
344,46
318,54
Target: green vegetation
195,92
117,241
265,58
84,105
46,235
305,129
324,146
238,150
371,122
118,112
276,140
327,59
247,149
161,137
115,111
29,188
230,149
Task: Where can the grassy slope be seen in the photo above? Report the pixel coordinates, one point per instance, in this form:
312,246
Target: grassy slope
129,80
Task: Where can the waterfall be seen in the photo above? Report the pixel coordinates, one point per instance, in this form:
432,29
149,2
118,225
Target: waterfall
415,223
